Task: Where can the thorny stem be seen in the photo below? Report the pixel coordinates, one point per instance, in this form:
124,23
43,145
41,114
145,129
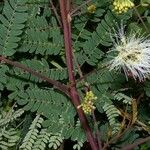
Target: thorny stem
56,84
69,60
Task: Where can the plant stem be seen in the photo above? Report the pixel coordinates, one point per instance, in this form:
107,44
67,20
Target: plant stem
136,11
57,84
79,7
97,131
69,60
138,142
55,12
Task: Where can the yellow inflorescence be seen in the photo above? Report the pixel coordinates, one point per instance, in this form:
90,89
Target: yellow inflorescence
122,6
91,9
88,102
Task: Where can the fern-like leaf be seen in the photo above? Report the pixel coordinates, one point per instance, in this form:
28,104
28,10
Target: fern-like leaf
78,145
112,112
19,79
122,97
11,116
3,76
37,37
32,134
42,140
8,138
55,141
12,23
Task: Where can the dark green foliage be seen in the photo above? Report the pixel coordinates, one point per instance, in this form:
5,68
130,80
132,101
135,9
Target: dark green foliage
22,79
42,38
13,20
3,79
31,34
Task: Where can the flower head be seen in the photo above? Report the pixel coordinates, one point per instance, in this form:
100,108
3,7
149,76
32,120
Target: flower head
122,6
88,102
91,9
133,55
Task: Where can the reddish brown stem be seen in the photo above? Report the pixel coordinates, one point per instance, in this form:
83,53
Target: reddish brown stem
57,84
69,60
138,142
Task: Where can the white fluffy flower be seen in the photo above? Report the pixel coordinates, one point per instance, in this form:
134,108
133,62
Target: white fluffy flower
133,55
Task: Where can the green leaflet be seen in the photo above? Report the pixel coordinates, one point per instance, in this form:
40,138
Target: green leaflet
112,112
87,44
18,79
42,38
3,76
32,134
37,1
30,34
8,138
12,19
42,101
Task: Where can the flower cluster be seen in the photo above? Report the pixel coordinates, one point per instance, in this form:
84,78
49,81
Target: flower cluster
121,6
91,9
133,55
88,102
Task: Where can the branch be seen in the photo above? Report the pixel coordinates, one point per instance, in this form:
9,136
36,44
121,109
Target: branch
57,84
97,131
86,88
79,7
91,72
69,60
55,12
138,142
136,11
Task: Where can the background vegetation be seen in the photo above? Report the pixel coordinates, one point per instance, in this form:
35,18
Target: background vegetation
39,116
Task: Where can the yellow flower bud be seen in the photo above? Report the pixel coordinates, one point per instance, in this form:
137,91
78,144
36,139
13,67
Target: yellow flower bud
91,9
121,6
88,104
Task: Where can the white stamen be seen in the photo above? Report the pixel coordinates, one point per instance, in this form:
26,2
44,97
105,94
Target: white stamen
133,54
